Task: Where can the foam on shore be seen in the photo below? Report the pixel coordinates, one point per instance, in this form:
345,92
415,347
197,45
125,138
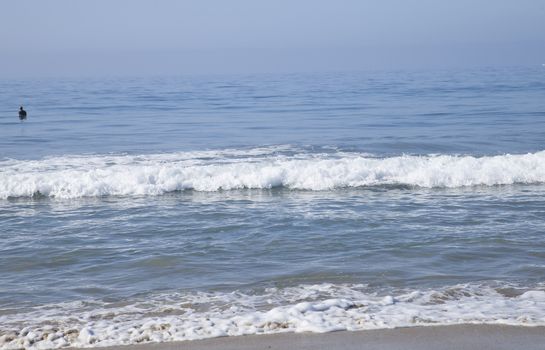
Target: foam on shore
306,308
134,175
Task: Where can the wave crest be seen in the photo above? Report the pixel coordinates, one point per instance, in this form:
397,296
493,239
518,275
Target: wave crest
124,175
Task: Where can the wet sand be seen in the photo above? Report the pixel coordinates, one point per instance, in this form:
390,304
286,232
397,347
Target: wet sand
459,337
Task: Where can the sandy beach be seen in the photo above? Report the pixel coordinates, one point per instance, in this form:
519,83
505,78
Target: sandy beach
458,337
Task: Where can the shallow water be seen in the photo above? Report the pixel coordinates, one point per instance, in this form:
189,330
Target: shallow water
138,210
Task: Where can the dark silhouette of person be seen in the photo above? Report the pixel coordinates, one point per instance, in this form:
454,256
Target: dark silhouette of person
22,113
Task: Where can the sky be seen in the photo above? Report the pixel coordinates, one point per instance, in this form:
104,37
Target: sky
157,37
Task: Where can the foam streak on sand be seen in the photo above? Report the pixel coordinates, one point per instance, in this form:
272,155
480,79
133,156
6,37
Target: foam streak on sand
130,175
306,308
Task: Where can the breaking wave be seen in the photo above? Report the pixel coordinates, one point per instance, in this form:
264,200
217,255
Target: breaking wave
263,168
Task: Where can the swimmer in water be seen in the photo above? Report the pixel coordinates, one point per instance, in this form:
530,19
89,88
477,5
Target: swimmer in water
22,114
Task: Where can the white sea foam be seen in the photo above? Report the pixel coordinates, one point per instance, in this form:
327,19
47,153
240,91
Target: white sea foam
305,308
129,175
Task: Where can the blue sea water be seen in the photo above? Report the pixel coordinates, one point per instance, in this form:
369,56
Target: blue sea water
160,209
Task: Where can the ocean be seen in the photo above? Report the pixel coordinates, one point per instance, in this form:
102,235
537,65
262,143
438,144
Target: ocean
161,209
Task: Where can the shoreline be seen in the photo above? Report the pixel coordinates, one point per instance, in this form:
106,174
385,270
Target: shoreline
455,337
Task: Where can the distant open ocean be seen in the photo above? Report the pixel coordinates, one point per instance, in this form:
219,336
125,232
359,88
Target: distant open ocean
159,209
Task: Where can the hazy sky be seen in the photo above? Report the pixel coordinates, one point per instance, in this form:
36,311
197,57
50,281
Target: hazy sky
103,37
